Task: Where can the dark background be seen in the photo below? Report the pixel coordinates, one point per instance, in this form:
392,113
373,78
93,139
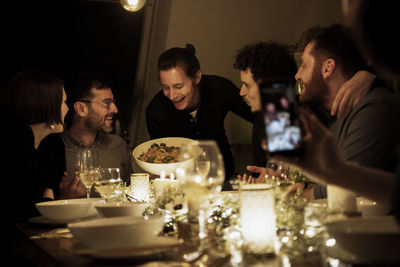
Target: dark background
69,36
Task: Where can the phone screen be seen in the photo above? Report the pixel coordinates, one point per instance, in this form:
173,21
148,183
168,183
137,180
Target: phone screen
282,125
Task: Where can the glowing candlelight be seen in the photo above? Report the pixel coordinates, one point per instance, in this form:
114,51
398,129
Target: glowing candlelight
140,187
160,185
258,218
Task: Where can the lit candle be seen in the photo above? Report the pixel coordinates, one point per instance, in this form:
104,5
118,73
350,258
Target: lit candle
140,187
258,219
160,185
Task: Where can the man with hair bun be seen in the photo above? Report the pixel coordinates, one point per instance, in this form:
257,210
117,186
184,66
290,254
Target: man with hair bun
193,105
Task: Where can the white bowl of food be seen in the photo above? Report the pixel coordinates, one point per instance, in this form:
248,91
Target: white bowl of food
372,239
69,209
161,155
118,209
117,232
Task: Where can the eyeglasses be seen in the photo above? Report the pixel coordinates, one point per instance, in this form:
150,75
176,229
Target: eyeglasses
105,103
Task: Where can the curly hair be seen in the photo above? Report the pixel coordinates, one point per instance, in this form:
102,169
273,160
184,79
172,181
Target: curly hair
268,61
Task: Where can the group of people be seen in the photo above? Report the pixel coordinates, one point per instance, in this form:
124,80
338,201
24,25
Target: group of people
350,116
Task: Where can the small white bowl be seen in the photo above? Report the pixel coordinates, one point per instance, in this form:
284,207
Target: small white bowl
157,168
118,209
69,209
117,232
371,239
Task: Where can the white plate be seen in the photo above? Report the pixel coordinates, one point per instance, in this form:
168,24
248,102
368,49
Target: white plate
117,232
374,239
69,209
156,247
46,221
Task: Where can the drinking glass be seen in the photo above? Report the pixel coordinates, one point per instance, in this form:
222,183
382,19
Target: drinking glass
278,174
110,185
87,168
201,178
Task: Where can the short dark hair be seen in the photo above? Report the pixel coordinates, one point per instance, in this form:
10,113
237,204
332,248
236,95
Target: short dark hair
268,61
79,86
335,41
182,57
34,96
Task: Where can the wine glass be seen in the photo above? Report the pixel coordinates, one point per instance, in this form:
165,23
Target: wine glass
87,168
278,174
200,179
109,184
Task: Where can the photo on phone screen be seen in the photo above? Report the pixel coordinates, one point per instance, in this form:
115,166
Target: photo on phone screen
282,125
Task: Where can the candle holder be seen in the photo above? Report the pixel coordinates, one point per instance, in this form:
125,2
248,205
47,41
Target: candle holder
140,187
258,219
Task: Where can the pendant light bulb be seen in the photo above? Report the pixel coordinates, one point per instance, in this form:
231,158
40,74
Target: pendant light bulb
133,5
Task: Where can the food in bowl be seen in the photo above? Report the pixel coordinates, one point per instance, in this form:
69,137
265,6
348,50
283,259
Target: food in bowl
165,168
161,153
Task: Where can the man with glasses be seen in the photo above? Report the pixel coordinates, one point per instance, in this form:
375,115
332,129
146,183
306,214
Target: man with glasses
89,124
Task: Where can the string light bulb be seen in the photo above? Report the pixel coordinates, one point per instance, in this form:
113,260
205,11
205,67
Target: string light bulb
133,5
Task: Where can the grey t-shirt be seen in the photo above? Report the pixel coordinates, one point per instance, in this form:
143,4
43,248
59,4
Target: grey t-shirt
112,150
369,134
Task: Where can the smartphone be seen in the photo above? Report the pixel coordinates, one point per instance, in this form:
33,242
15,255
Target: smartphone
282,125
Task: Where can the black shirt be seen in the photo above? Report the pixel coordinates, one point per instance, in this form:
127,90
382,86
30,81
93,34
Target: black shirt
218,96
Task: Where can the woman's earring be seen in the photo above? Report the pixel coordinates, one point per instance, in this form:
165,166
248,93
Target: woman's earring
52,127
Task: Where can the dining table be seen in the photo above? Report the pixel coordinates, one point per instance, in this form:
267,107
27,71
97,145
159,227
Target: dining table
54,245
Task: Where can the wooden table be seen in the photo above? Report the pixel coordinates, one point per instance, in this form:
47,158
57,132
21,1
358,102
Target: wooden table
62,251
47,251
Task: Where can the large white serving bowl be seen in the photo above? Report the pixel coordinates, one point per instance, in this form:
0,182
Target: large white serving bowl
118,209
69,209
117,232
371,239
156,168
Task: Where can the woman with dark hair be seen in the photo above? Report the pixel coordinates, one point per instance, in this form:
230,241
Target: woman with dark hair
193,105
33,104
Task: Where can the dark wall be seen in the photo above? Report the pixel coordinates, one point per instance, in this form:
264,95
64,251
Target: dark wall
67,36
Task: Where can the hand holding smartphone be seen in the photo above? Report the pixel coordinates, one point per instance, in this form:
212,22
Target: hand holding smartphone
282,124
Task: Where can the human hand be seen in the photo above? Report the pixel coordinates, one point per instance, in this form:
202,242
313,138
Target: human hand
73,189
351,92
321,155
250,179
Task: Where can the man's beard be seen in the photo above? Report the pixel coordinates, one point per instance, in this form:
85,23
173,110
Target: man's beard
98,126
316,89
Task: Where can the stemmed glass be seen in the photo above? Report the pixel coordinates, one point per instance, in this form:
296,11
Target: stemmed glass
200,179
87,168
278,174
109,184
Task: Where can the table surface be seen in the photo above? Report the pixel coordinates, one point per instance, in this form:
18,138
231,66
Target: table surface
66,251
62,251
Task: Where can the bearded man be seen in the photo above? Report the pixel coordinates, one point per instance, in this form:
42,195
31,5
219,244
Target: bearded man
330,58
89,124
